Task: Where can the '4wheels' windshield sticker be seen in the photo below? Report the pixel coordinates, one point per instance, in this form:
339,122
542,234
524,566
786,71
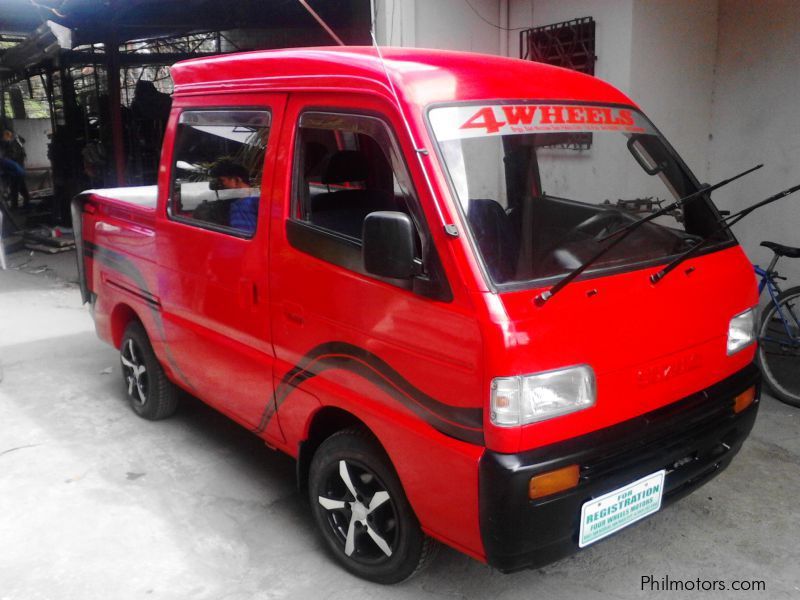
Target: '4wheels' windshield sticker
460,122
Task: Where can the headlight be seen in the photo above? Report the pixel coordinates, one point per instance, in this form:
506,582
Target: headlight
741,331
532,398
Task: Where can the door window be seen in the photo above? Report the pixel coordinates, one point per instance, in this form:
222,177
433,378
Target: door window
347,166
216,180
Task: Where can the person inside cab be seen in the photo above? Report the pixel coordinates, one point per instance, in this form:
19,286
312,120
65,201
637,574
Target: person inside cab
228,174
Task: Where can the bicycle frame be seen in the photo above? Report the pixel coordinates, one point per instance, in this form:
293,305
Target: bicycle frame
767,280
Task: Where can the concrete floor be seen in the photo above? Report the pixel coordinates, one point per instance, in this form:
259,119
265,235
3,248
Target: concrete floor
96,503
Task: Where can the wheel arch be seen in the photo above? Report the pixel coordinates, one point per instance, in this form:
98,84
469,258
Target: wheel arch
121,317
322,425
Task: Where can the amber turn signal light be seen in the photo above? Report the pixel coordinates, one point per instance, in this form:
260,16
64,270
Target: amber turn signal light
744,399
553,482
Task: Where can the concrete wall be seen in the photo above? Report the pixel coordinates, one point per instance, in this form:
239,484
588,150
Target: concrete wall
442,24
718,77
613,30
754,119
672,72
446,25
660,53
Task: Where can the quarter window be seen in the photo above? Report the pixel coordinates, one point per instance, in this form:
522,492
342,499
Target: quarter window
219,157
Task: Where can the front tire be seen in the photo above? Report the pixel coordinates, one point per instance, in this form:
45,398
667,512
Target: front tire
151,394
779,349
362,512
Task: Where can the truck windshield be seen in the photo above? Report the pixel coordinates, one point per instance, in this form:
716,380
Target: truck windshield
542,185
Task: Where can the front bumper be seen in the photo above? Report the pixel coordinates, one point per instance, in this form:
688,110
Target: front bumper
694,439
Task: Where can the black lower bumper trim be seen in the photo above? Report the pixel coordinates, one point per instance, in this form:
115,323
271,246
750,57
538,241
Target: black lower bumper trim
693,439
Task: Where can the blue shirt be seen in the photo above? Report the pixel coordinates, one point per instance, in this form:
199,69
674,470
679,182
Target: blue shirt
11,167
244,214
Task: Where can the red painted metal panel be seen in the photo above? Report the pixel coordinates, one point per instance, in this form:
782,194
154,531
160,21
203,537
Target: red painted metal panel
415,370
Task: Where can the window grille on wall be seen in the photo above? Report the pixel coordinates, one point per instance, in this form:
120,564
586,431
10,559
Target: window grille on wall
569,44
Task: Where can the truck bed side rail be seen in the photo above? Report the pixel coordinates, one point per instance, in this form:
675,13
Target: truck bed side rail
77,227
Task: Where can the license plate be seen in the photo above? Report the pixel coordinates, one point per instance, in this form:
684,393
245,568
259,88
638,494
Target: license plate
611,512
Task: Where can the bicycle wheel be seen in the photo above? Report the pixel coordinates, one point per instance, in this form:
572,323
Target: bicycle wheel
779,347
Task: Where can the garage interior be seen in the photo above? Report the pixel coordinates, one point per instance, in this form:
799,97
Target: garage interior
94,504
85,84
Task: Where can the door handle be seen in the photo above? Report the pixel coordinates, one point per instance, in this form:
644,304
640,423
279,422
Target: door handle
248,293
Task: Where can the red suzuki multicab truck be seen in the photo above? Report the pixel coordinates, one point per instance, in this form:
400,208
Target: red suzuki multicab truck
356,257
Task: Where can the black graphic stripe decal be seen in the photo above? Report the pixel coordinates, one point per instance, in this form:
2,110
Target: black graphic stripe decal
458,422
141,294
461,423
122,264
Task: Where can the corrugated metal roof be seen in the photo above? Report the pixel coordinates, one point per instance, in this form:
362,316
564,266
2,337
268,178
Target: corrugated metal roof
94,21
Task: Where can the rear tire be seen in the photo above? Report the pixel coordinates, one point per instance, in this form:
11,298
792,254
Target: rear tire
151,394
361,509
778,351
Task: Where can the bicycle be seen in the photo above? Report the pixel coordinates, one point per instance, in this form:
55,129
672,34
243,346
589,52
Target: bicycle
779,330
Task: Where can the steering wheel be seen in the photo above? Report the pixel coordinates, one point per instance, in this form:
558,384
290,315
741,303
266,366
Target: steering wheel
599,225
568,252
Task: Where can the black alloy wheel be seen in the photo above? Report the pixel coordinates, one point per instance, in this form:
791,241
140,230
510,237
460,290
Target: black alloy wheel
151,394
360,507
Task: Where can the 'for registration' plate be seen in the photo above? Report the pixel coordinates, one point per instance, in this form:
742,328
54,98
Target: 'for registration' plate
613,511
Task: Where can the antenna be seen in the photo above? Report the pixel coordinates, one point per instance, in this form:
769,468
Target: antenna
418,149
322,23
450,228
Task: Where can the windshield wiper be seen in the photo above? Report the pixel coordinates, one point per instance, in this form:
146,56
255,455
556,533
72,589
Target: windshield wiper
624,232
680,203
723,223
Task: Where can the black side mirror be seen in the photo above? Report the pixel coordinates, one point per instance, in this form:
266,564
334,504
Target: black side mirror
388,245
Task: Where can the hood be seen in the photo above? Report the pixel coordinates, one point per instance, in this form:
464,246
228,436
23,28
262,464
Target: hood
648,344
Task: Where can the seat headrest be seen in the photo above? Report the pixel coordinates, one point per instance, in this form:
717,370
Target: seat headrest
345,166
481,210
315,154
